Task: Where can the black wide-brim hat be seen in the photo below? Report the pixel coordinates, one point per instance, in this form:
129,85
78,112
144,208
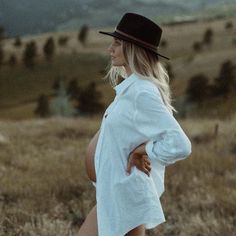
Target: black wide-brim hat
139,30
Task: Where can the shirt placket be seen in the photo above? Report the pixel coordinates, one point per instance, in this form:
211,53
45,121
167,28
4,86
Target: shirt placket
112,108
101,135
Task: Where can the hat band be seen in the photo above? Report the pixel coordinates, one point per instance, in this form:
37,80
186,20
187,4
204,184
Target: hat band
136,39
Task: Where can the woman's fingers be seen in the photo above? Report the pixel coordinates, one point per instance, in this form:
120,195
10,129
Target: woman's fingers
145,165
132,160
148,167
145,160
148,162
146,171
142,162
129,166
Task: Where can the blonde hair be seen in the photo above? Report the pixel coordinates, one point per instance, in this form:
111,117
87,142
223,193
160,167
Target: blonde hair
146,65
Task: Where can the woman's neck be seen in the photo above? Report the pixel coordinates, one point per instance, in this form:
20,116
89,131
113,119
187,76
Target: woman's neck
128,70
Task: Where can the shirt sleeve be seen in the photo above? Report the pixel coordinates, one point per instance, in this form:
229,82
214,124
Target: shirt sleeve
167,142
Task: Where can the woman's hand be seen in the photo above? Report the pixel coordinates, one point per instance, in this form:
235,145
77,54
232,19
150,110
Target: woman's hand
139,158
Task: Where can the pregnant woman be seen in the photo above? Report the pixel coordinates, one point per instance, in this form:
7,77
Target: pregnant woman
138,136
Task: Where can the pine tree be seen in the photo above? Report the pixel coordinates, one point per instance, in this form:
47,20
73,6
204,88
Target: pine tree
197,89
89,99
63,40
83,34
197,46
57,82
29,54
49,48
12,60
164,43
229,25
60,104
73,89
225,82
1,55
2,33
208,37
17,42
42,109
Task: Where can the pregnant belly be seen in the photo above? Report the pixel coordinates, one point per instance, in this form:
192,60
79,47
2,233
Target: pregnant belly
90,159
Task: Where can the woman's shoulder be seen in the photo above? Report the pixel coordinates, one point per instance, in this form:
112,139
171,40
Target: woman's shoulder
144,85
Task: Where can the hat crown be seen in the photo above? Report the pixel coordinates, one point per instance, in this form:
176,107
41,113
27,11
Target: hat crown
141,28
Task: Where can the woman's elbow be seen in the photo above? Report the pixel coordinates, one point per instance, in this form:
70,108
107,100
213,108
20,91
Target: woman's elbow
182,146
186,149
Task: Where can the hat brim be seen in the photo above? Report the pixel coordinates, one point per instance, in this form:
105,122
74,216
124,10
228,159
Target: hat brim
119,36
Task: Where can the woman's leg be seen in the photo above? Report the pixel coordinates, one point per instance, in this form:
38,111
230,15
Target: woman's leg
89,226
138,231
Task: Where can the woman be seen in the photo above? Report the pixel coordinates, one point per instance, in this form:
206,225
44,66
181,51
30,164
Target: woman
138,137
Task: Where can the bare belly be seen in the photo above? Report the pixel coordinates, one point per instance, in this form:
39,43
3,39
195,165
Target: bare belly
90,158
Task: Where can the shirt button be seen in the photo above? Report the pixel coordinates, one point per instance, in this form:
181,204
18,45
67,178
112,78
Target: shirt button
106,115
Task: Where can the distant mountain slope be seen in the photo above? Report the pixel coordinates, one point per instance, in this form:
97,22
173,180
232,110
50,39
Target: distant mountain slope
33,16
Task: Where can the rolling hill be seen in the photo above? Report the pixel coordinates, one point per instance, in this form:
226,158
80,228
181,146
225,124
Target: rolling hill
32,16
20,87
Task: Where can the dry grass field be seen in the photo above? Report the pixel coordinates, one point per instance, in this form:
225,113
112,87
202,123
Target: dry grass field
45,190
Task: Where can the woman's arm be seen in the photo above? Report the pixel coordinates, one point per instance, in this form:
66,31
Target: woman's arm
90,155
166,141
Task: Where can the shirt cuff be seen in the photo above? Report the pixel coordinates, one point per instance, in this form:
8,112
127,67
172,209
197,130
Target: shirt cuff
149,150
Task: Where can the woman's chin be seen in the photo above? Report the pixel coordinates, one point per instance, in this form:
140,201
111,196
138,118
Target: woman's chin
115,64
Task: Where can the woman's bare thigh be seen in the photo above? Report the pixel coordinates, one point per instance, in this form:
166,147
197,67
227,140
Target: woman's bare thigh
138,231
89,226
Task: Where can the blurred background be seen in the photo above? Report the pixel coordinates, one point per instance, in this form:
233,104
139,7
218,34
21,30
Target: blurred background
53,95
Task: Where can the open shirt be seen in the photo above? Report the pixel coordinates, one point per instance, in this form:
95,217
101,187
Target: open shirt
137,115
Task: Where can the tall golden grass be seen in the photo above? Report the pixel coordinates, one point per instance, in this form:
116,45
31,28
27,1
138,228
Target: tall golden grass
44,189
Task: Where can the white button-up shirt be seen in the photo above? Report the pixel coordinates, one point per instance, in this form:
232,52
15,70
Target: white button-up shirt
136,115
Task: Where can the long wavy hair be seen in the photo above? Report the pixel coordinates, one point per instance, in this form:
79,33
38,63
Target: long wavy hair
146,65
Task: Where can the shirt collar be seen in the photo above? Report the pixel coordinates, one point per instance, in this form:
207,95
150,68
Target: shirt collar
120,88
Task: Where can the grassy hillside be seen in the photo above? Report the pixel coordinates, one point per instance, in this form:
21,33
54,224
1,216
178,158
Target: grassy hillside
20,87
45,190
70,14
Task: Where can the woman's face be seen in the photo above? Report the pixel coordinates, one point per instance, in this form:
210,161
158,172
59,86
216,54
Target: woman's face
116,52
